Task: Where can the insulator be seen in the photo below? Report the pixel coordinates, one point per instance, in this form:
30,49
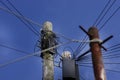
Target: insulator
66,54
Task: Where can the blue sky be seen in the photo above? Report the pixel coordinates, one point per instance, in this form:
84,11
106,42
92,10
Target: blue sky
66,16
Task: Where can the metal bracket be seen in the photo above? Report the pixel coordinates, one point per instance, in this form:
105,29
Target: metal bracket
96,40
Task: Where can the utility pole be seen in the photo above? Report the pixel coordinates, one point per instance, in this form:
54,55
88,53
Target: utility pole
48,39
95,48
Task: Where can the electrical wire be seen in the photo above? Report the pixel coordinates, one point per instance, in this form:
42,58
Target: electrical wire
36,33
105,13
104,57
112,57
106,54
114,46
59,55
113,70
83,47
109,18
24,57
5,46
82,56
82,78
30,55
75,40
112,62
104,63
21,15
69,39
100,18
112,49
101,12
116,71
78,50
16,14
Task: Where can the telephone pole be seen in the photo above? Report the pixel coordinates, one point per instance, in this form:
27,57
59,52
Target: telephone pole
48,39
95,48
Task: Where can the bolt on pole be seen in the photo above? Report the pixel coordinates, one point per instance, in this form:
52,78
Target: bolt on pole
97,60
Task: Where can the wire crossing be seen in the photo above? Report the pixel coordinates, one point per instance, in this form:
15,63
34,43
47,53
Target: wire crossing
22,15
16,14
85,61
30,55
31,29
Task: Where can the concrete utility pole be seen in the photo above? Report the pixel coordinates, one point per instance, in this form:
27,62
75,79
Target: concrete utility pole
48,39
95,48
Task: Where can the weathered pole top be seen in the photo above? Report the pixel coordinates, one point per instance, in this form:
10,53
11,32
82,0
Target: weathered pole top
93,31
47,26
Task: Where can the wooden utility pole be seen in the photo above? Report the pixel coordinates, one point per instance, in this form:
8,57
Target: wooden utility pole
95,48
47,41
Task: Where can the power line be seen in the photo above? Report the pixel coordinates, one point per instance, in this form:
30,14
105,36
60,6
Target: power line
78,50
83,55
105,69
112,57
114,45
5,46
18,59
113,70
112,52
109,18
21,15
69,39
104,63
84,45
112,49
105,13
75,52
112,62
25,18
30,55
82,78
109,56
21,20
101,12
104,57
